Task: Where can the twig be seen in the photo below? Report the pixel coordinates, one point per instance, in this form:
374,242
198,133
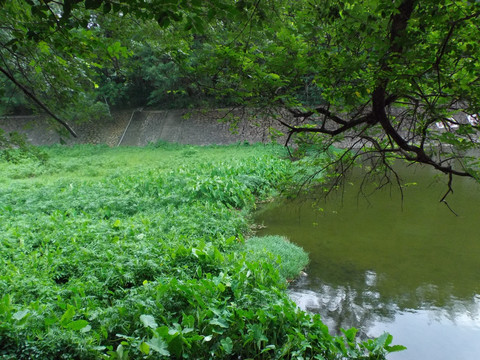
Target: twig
450,190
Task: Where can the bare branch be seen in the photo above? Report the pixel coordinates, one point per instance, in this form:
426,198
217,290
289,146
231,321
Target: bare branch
450,190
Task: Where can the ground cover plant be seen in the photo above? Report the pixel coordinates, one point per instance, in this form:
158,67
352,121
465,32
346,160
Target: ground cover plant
134,253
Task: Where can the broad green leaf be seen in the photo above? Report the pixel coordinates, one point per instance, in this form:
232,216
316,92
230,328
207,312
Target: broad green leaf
50,321
227,345
158,345
68,315
350,334
77,324
220,322
148,321
19,315
145,348
86,329
396,348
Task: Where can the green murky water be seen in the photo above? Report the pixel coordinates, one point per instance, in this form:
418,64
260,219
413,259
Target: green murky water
412,270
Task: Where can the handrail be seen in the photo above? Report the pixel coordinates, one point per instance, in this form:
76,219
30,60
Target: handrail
125,131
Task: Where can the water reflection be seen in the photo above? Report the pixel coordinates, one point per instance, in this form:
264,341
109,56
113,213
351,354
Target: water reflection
344,306
411,270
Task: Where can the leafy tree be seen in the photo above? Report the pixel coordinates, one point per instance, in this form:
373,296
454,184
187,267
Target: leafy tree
392,80
52,50
47,63
149,76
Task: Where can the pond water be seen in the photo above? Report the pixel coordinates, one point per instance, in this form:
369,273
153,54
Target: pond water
410,268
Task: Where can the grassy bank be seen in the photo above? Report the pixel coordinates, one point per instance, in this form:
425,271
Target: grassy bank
133,253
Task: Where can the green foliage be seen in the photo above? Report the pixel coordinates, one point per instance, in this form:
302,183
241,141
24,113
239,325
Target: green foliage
383,75
61,53
288,257
145,259
88,109
52,67
12,101
14,148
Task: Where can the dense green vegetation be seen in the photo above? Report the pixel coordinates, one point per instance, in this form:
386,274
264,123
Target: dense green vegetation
133,253
395,79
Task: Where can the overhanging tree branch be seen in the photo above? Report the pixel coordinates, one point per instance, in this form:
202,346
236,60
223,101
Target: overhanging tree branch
409,98
30,95
398,28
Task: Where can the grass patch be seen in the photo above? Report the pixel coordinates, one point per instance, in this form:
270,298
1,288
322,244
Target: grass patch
288,257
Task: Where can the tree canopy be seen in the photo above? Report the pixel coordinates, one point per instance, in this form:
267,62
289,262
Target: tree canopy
395,79
392,80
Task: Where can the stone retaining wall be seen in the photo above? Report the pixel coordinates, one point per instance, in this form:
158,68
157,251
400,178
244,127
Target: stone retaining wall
138,128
